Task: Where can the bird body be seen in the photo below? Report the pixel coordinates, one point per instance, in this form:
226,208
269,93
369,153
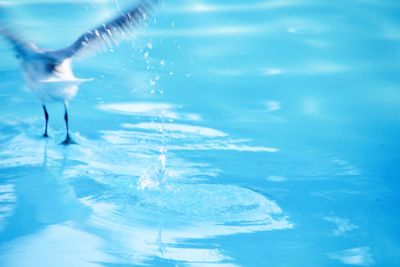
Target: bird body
50,81
48,73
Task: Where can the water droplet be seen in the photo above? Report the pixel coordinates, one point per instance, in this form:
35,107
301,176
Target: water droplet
163,160
145,181
162,62
171,73
150,45
146,54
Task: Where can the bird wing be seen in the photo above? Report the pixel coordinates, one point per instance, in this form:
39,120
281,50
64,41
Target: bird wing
21,47
111,33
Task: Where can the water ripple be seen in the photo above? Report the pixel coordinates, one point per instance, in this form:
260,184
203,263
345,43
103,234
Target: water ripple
235,210
130,187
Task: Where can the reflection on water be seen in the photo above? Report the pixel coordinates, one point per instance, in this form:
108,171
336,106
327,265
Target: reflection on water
360,256
128,197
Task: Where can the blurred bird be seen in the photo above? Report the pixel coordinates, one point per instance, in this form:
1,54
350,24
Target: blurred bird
49,74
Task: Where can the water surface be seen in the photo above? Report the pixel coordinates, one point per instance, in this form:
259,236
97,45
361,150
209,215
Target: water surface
259,133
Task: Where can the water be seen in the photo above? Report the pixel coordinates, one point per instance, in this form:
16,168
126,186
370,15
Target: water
256,133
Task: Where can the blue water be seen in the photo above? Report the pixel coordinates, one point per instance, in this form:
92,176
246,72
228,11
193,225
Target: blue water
228,133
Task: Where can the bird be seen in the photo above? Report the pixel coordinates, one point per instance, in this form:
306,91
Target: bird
49,74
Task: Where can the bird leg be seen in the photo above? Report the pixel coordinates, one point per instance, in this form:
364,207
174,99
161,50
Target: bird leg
68,140
46,116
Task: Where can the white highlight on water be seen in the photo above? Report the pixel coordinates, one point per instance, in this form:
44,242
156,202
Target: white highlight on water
359,256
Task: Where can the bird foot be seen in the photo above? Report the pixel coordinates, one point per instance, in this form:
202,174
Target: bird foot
68,141
45,135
